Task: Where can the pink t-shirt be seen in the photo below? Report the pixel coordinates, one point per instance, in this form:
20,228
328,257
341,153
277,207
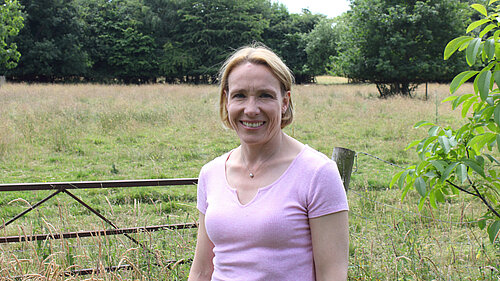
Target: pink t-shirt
269,239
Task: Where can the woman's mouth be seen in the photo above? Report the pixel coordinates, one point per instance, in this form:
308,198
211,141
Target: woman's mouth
252,124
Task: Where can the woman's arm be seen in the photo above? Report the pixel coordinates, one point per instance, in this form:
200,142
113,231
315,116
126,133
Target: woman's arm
330,241
202,267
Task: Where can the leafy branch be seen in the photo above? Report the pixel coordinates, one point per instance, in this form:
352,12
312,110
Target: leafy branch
451,158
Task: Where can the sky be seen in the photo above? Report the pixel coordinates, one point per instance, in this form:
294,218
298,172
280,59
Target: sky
330,8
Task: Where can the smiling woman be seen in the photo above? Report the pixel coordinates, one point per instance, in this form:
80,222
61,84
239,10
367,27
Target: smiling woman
272,208
255,103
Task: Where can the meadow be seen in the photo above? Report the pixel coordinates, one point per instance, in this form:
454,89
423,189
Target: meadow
53,133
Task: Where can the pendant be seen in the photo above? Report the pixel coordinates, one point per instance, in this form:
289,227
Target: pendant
251,175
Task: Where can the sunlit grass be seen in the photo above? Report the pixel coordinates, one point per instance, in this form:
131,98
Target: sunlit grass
105,132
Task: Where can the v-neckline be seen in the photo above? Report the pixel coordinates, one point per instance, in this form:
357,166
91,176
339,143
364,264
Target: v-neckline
260,189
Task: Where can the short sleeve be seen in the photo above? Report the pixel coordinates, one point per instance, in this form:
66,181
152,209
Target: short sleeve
201,198
326,192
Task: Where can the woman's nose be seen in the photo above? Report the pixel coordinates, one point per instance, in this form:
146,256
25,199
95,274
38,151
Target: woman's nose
251,106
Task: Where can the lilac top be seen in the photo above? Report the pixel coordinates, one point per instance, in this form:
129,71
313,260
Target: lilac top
269,237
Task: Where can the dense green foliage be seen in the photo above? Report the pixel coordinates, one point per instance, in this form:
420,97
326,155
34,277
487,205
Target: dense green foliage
464,159
394,43
11,21
50,41
321,45
138,41
391,43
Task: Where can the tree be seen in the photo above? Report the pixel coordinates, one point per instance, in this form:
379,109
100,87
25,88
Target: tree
321,44
286,35
393,43
462,160
11,21
50,42
210,29
120,46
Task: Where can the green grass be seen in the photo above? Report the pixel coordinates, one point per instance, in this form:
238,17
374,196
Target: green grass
94,132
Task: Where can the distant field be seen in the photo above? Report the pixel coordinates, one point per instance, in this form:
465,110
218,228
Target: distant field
329,80
95,132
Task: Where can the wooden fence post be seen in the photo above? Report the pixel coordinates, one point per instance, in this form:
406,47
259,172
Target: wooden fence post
345,159
2,80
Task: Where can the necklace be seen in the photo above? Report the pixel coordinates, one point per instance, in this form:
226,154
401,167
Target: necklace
252,174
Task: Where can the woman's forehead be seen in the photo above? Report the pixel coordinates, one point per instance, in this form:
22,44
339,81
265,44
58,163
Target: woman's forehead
252,75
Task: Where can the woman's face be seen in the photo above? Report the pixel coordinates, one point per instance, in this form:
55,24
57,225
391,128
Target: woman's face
255,103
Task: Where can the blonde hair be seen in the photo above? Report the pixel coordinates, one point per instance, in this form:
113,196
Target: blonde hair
256,54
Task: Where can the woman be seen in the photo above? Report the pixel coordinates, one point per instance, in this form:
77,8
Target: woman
273,208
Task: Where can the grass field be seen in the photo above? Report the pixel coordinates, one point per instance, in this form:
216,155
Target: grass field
94,132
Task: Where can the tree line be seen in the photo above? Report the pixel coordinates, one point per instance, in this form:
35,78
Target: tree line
393,43
139,41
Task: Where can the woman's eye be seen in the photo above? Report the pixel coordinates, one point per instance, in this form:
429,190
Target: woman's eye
238,96
266,95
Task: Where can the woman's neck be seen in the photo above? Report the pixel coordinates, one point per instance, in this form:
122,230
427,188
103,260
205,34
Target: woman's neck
253,154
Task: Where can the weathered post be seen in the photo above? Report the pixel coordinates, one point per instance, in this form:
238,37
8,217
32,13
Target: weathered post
345,160
2,81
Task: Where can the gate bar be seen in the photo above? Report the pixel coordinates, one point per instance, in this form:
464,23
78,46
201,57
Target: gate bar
104,218
81,234
96,184
29,209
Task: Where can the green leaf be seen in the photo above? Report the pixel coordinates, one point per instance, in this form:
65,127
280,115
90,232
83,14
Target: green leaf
483,84
421,204
497,114
460,79
476,24
439,195
458,101
472,50
439,164
461,173
492,159
492,1
420,186
402,179
412,144
497,46
489,48
496,77
487,29
432,199
421,167
395,178
450,98
481,224
498,142
405,191
422,123
480,160
466,106
480,8
493,230
445,144
475,166
454,44
433,131
428,141
447,172
479,141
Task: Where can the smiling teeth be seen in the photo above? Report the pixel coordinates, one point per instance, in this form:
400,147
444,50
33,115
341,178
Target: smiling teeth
253,124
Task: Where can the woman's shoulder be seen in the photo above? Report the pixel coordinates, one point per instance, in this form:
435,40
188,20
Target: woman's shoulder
215,163
313,158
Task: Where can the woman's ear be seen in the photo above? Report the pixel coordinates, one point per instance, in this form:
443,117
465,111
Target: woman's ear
285,101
